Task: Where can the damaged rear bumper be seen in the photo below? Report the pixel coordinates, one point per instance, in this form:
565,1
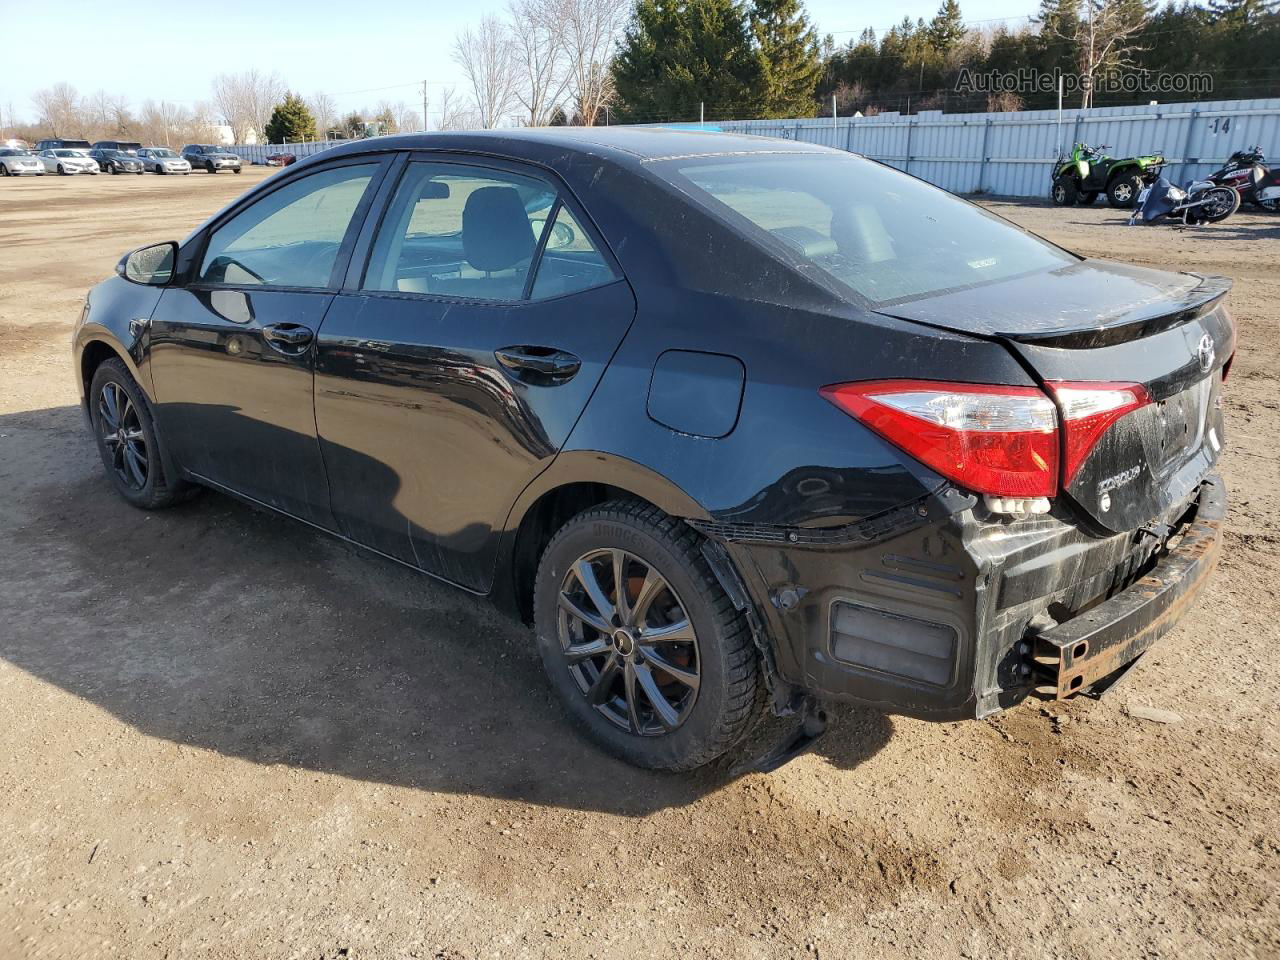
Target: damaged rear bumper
1090,647
940,611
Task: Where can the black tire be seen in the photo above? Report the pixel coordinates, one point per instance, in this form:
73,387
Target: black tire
114,170
210,168
1122,191
1085,199
1064,192
235,169
1229,203
729,695
61,171
156,490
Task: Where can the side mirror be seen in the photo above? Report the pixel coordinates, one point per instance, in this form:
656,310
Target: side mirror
151,266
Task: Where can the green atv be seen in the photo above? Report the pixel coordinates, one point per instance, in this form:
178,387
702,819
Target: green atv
1090,172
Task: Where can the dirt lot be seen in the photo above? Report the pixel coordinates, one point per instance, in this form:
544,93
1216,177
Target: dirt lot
224,735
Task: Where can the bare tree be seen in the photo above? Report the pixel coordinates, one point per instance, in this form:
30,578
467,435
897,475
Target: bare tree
172,124
487,58
538,29
454,113
405,117
1104,37
325,110
61,109
592,31
246,100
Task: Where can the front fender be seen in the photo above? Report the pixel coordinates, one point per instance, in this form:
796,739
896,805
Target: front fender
110,308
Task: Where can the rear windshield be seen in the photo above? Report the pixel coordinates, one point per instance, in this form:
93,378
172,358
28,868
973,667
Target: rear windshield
886,235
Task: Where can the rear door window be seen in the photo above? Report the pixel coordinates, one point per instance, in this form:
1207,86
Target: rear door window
455,230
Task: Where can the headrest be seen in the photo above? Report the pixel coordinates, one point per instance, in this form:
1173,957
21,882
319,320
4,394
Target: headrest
496,232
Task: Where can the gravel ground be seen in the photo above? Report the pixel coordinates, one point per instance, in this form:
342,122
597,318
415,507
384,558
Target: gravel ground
224,735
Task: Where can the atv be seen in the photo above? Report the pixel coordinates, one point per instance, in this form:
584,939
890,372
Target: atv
1089,172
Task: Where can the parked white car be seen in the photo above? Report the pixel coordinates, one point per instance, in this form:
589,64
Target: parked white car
16,162
162,160
67,161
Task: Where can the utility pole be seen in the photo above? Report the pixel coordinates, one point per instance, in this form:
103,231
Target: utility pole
424,106
834,115
702,113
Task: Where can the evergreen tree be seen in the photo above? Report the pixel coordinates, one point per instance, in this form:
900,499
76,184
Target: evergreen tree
792,65
946,30
1236,12
677,54
291,121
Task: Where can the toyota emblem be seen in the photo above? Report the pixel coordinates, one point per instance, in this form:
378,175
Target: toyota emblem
1205,353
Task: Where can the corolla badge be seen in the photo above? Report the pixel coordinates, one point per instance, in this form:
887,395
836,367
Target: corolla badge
1205,353
1113,483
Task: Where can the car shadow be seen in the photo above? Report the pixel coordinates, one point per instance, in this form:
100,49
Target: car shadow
229,628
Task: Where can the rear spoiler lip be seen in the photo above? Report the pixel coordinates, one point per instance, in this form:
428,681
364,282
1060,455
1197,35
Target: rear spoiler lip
1199,300
1204,297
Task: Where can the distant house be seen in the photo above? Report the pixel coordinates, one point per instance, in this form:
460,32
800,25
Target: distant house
224,136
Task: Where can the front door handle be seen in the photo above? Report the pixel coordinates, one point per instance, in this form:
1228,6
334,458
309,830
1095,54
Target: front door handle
539,363
287,337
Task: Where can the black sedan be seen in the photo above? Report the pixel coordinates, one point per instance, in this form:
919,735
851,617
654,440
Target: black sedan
737,425
116,161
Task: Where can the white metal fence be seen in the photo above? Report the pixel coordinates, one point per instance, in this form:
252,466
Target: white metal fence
1012,154
258,152
1007,154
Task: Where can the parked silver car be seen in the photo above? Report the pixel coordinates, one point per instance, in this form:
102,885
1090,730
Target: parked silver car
162,160
67,161
16,162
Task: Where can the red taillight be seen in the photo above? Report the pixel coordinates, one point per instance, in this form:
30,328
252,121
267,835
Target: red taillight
1088,411
989,439
999,440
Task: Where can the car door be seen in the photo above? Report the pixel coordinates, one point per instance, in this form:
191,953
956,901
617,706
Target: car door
452,367
232,348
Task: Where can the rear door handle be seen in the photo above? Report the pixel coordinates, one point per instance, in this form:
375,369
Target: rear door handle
537,363
287,337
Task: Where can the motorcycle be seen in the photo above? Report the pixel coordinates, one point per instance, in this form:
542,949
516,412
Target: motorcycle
1201,202
1247,174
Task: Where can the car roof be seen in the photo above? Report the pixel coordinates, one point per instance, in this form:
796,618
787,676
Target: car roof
624,144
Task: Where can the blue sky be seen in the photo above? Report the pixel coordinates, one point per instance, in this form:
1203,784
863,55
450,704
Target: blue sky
359,52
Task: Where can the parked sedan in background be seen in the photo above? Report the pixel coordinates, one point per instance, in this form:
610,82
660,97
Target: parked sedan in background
67,162
116,161
210,158
16,162
162,160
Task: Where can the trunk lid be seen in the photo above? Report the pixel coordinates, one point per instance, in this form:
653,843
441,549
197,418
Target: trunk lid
1098,322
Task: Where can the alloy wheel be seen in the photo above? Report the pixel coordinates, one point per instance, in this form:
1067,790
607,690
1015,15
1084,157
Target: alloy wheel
628,642
1123,192
122,435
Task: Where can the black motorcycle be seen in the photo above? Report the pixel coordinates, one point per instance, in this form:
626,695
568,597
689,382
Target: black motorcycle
1200,202
1246,172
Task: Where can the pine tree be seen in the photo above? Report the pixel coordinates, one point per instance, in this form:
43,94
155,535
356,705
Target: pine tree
1059,22
291,121
678,54
946,30
1239,12
792,65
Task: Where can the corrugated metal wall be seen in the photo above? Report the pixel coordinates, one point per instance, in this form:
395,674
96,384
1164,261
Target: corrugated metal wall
258,152
1012,154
